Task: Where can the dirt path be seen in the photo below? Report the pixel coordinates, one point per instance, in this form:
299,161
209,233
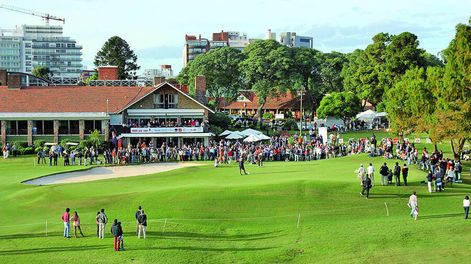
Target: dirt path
101,173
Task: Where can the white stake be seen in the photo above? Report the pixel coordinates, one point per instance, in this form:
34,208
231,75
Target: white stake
46,227
387,210
163,229
299,218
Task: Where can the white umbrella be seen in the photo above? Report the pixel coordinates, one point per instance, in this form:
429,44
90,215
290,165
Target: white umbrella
368,115
225,133
263,137
252,138
235,135
250,131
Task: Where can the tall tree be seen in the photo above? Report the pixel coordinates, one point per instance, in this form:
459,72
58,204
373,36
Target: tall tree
267,70
363,74
42,72
305,73
343,105
116,52
221,69
453,106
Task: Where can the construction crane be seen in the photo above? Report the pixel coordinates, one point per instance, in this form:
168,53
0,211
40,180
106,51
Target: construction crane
46,17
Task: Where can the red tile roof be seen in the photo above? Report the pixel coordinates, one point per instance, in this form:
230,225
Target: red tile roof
283,101
69,98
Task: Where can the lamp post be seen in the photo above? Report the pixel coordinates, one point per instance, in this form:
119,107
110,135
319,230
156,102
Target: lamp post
301,112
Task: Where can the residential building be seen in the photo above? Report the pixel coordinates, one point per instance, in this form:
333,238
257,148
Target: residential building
164,71
118,112
291,39
270,35
23,48
247,104
195,46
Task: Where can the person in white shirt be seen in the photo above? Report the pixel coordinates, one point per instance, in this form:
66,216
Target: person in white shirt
371,172
361,174
466,206
413,205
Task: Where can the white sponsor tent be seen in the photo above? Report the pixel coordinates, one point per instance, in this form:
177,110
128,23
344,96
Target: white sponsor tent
367,116
250,131
225,133
263,137
235,135
252,138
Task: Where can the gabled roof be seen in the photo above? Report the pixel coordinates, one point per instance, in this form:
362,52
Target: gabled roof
74,99
186,95
50,99
283,101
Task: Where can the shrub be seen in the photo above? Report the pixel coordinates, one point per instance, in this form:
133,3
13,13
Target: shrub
268,116
38,143
219,119
290,124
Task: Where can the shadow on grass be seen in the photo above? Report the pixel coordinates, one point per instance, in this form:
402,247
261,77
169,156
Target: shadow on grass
207,249
31,235
441,216
217,237
49,250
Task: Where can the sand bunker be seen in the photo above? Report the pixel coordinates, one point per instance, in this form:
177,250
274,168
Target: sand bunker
101,173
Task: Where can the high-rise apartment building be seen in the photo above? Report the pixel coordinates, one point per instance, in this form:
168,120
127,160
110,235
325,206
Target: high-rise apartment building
195,46
291,39
23,48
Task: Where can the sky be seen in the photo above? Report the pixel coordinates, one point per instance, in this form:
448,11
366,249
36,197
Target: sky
156,29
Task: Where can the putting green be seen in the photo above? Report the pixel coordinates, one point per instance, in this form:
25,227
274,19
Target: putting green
304,212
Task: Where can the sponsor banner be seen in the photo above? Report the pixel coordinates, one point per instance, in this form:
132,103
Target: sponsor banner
166,130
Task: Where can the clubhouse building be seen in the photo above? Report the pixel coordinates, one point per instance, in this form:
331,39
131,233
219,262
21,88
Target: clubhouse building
155,112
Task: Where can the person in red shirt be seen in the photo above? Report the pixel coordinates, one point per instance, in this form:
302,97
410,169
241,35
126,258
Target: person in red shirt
66,219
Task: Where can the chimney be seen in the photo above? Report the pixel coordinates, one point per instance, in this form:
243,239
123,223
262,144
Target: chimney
158,80
200,89
14,82
3,77
108,73
184,88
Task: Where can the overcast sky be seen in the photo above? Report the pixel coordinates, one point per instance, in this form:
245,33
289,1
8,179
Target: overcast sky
155,29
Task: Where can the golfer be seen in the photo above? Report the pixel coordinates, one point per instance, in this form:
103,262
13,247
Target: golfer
361,174
413,204
241,166
366,187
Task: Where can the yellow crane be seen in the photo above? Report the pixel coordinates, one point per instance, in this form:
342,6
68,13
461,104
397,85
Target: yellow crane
46,17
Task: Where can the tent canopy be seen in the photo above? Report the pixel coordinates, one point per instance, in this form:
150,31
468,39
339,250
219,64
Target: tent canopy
250,131
367,115
235,135
252,138
225,133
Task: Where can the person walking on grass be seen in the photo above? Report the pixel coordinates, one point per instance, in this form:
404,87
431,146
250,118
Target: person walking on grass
361,174
142,219
241,166
121,239
66,220
466,206
384,170
97,224
366,187
429,181
115,233
371,174
413,204
397,174
102,220
138,213
405,173
76,220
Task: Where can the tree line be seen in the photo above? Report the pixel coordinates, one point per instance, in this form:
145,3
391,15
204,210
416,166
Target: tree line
419,91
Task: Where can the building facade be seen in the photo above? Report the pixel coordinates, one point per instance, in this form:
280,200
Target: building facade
25,47
161,113
291,39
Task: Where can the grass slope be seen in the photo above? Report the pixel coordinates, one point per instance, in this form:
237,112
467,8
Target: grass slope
214,215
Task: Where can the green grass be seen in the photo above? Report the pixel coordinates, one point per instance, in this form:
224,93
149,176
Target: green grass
214,215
